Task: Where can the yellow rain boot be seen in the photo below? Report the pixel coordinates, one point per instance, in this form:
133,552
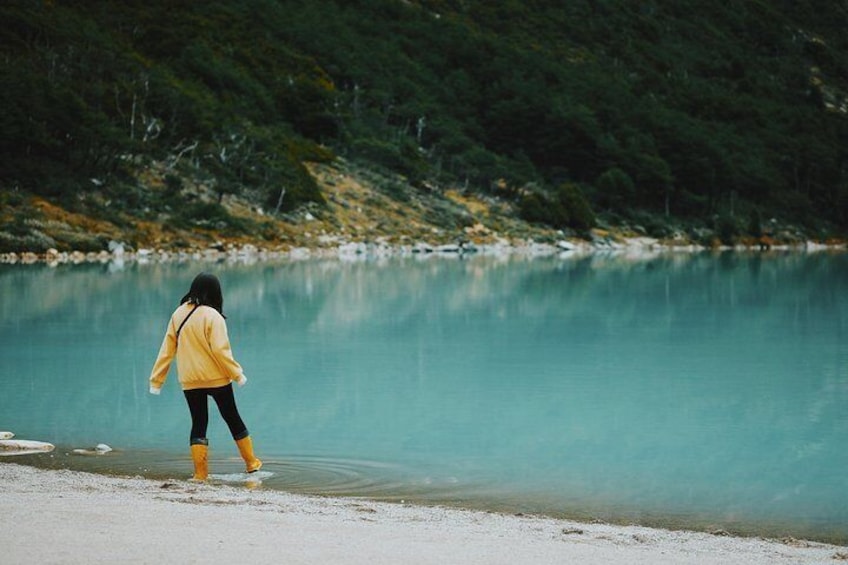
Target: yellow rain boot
199,454
245,447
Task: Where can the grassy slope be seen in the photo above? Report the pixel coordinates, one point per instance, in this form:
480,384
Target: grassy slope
363,205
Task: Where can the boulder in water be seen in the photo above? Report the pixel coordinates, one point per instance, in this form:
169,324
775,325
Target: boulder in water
24,447
99,449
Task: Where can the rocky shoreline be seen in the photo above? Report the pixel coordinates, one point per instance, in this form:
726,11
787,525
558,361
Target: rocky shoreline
347,250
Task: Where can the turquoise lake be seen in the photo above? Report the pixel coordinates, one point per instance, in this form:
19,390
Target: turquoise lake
699,391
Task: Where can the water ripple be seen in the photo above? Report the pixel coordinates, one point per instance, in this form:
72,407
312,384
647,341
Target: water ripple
318,475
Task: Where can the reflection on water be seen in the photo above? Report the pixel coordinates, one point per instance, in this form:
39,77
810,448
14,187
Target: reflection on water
704,390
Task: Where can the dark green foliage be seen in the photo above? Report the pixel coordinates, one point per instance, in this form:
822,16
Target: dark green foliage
173,184
755,224
293,187
580,215
727,229
678,109
615,188
87,91
538,209
566,208
210,215
403,158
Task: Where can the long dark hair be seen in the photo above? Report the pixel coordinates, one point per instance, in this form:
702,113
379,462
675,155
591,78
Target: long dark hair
205,291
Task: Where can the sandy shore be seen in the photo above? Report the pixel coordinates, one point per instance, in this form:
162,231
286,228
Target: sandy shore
72,517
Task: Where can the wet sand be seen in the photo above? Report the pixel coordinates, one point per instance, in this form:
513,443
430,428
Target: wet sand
57,516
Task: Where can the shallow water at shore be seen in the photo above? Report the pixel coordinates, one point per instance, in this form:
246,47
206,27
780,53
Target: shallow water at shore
684,391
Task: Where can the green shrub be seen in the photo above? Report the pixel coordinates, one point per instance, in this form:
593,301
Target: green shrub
308,151
75,241
580,214
538,209
173,183
35,241
567,209
726,229
755,224
211,215
402,157
395,190
288,177
615,188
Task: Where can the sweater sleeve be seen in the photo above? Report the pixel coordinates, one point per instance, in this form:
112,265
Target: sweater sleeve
166,356
219,341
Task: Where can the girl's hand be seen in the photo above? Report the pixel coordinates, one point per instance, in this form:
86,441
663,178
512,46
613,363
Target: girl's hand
154,390
242,380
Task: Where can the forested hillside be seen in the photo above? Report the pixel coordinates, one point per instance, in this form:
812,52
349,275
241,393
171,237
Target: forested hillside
651,112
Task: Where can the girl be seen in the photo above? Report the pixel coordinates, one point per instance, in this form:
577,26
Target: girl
197,335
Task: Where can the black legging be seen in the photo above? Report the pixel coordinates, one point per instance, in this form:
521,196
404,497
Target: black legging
199,409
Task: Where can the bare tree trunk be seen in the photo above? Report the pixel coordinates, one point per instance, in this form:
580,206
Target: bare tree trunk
132,119
419,129
280,200
179,156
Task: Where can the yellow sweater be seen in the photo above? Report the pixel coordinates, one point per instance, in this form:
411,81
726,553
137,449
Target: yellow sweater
204,356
